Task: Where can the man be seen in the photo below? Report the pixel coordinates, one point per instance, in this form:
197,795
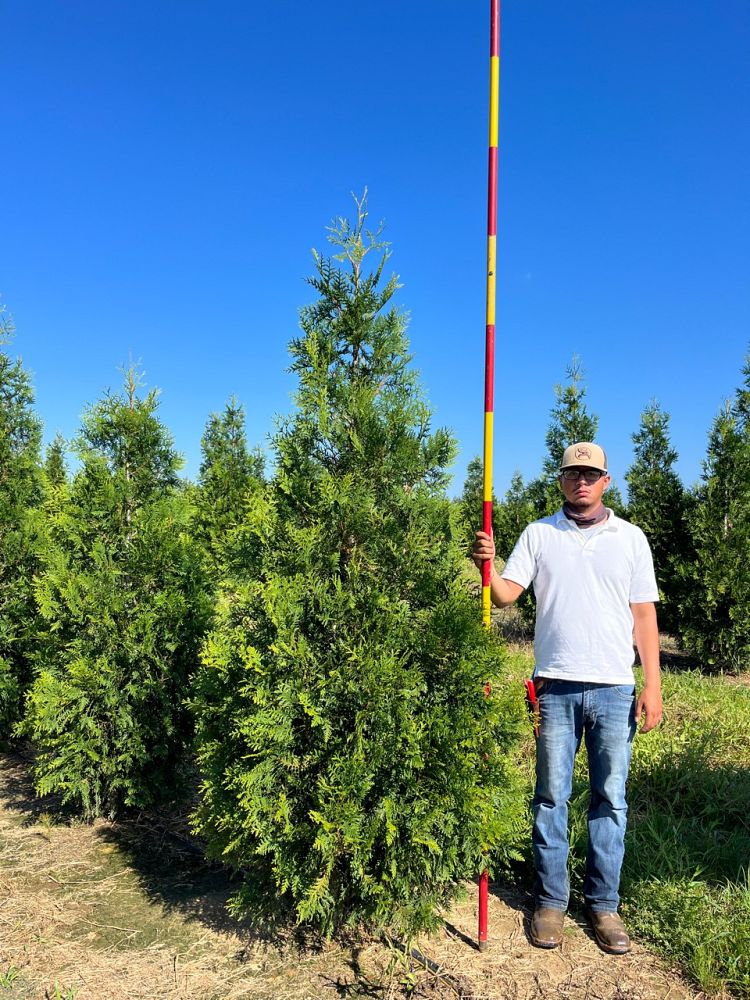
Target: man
594,584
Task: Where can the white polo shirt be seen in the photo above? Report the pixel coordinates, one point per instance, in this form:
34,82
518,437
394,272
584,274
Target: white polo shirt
585,580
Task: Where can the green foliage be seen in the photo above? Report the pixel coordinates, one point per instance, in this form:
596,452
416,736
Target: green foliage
228,470
121,597
716,597
514,512
55,468
685,874
472,499
570,421
657,504
353,768
675,916
20,496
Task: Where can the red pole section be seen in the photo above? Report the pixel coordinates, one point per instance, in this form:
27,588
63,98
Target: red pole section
489,359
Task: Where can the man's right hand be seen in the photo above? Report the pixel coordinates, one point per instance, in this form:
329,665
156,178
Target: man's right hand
483,549
503,592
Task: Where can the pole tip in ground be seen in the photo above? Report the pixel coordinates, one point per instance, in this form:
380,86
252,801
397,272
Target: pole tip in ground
482,945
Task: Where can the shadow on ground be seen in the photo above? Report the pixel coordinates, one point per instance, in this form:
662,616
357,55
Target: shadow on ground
19,795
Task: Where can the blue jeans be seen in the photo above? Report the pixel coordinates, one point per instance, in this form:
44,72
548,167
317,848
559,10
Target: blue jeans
605,715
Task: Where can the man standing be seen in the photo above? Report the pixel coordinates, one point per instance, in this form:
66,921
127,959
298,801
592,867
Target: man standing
594,584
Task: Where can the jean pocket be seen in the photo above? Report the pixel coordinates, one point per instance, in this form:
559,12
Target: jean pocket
541,686
626,692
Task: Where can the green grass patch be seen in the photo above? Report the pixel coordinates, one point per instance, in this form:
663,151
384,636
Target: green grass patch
685,878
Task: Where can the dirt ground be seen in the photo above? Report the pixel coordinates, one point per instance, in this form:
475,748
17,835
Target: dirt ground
121,912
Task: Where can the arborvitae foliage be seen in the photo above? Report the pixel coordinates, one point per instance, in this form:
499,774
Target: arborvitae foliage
20,495
124,610
570,421
228,470
716,601
353,768
515,511
472,498
55,468
657,504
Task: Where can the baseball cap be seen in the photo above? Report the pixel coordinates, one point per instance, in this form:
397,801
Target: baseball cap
585,455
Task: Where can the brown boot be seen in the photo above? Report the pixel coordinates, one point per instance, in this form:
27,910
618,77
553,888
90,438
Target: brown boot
547,927
610,932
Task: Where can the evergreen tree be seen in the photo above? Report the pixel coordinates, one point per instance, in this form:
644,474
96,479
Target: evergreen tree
228,470
353,768
657,504
613,499
20,496
55,468
123,606
716,598
570,421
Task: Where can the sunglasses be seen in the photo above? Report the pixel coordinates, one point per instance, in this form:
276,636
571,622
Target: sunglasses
589,475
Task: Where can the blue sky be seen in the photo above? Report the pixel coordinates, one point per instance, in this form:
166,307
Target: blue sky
168,166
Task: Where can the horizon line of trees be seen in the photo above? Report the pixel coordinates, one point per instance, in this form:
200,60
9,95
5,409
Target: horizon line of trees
304,637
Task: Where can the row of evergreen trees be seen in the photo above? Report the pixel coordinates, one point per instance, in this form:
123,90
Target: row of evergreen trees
699,535
300,642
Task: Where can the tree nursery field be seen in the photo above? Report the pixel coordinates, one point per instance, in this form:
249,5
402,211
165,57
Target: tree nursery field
121,911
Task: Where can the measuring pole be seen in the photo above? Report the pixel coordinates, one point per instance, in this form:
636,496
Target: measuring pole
489,361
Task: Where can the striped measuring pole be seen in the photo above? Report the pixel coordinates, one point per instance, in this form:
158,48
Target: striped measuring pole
489,361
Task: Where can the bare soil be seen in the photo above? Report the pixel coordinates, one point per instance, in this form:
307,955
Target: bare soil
121,912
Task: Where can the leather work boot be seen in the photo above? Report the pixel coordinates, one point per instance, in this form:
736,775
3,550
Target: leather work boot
610,932
547,927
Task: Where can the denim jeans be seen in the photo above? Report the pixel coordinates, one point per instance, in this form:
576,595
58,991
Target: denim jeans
605,715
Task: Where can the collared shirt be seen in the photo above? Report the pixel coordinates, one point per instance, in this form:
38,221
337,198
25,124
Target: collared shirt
584,580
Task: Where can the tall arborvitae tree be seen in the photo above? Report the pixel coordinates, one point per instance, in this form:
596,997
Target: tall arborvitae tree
353,768
124,609
716,601
55,467
228,470
657,504
20,496
570,421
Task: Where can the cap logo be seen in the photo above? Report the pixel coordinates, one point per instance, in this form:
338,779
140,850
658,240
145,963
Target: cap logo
583,453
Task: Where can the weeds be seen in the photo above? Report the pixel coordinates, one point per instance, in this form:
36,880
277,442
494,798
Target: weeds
8,978
61,993
685,875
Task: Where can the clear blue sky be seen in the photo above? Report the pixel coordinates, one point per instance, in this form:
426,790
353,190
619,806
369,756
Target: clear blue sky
168,166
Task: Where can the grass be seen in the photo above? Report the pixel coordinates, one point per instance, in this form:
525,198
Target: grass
685,881
685,878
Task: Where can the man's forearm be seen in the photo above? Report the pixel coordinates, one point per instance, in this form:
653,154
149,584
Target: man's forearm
503,592
647,642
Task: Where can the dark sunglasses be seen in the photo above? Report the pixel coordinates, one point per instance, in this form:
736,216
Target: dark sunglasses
589,475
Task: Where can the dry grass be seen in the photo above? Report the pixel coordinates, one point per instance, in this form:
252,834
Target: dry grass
109,912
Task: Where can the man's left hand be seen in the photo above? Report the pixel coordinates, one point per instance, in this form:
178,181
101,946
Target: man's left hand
649,702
